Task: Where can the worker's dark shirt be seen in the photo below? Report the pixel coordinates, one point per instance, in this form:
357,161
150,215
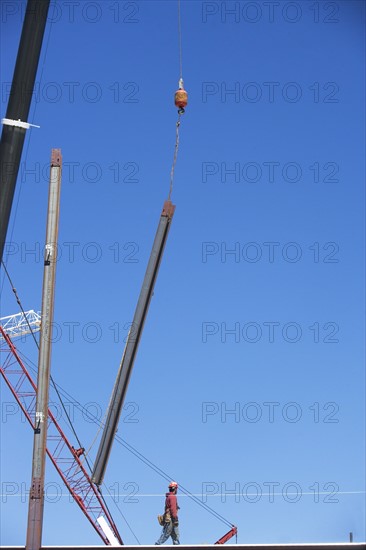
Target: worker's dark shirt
171,505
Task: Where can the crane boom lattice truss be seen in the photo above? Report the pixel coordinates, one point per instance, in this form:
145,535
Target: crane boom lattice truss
21,324
64,457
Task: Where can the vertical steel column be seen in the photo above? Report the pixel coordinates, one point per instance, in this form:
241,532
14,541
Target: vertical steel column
36,496
12,137
133,339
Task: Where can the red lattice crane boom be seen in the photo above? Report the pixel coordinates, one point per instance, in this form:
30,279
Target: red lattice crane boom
64,457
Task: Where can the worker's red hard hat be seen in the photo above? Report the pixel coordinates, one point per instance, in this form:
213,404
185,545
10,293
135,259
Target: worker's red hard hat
173,485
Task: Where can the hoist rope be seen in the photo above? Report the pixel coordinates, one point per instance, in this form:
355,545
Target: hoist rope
137,453
58,389
175,156
168,477
18,301
86,453
37,344
180,41
118,508
177,125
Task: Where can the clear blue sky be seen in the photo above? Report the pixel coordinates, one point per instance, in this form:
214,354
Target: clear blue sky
259,303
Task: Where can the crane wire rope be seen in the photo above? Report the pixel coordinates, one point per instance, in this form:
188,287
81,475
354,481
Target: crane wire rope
177,125
180,111
37,344
180,41
87,413
16,293
118,508
55,386
86,453
60,390
11,236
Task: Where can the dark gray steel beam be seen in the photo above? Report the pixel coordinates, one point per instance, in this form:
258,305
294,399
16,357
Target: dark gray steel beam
36,495
12,137
133,339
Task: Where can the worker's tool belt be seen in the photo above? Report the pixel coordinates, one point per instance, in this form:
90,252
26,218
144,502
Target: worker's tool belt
167,517
161,520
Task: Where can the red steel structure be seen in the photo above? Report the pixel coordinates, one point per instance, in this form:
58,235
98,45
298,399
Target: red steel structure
233,531
64,457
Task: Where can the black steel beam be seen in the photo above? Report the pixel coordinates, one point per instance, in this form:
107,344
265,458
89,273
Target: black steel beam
12,137
133,339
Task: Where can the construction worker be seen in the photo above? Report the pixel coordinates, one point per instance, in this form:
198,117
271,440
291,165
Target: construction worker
171,523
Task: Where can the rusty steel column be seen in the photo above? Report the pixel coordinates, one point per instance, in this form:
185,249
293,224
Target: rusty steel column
133,339
36,495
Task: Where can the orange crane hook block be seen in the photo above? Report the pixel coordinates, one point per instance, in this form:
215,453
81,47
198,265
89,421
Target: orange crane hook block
181,97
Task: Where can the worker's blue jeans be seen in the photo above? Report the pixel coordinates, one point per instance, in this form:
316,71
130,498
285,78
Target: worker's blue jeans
169,530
